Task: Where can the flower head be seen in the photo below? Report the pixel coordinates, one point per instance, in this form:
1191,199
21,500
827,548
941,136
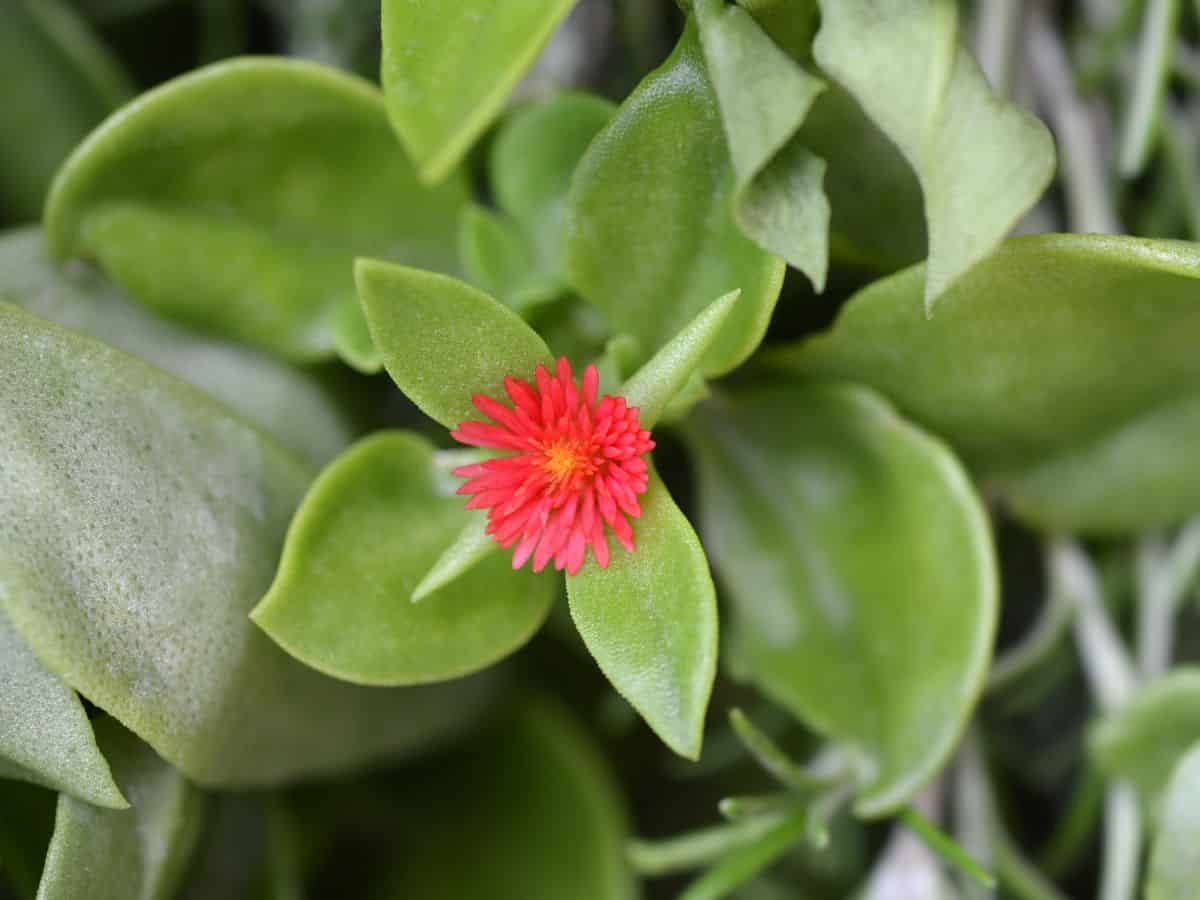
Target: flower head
576,465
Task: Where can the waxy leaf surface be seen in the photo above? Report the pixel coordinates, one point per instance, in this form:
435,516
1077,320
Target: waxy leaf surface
371,528
235,198
534,801
861,570
650,621
1174,863
45,736
1146,738
1063,368
444,341
59,83
449,65
982,163
650,234
140,853
290,405
139,524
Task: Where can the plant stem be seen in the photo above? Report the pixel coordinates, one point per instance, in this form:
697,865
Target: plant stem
1081,139
1179,150
1053,622
697,848
1155,609
996,42
746,862
1155,46
947,849
1122,842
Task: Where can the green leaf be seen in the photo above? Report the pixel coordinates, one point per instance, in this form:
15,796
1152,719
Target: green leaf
290,405
764,97
982,163
1075,402
655,385
139,853
45,736
283,171
861,570
497,257
472,545
650,621
371,527
442,340
536,805
1145,739
531,164
1174,863
139,524
449,65
650,236
59,82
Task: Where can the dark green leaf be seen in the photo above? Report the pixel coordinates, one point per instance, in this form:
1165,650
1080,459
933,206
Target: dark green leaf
288,404
764,97
234,198
1063,367
139,853
537,808
650,621
59,83
45,736
1146,738
982,163
650,236
442,340
370,529
860,566
449,65
1174,862
138,526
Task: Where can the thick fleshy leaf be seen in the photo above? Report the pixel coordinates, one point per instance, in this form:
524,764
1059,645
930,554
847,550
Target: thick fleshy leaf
444,341
498,258
139,524
861,570
140,853
1063,368
531,164
45,736
449,65
1174,862
650,621
764,97
1146,738
290,405
472,545
535,803
982,162
25,829
59,83
650,235
656,384
370,529
282,170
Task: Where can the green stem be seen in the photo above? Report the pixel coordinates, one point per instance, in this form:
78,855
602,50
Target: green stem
1053,623
1076,825
743,864
828,768
1155,609
996,42
945,847
1179,150
1122,843
697,848
1155,47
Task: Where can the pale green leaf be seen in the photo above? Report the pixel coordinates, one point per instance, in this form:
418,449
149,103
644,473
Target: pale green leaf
449,65
650,235
497,256
140,853
234,198
1174,860
444,341
139,524
650,621
472,546
860,567
370,529
982,163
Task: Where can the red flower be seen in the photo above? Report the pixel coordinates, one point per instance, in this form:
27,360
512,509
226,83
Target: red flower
577,465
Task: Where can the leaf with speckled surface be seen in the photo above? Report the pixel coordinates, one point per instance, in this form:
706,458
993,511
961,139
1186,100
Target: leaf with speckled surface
138,526
860,567
650,621
45,736
444,341
281,170
140,853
